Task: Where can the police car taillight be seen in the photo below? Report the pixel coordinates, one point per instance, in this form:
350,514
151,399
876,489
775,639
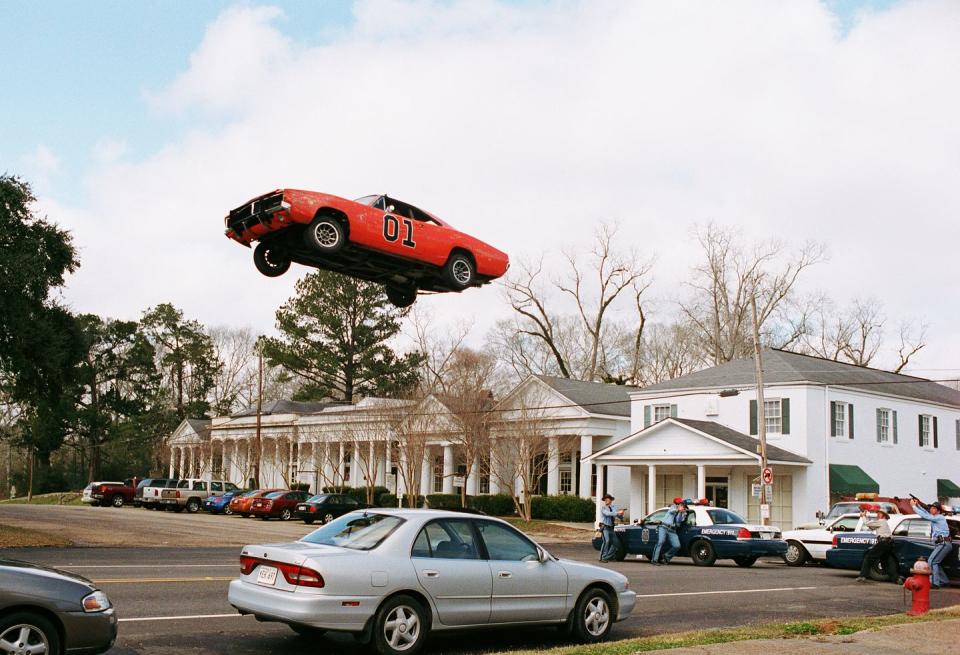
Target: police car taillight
743,533
835,540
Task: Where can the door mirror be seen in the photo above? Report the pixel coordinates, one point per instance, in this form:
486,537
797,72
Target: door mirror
542,555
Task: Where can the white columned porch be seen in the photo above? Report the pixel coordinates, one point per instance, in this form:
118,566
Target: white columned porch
701,481
356,474
598,492
188,453
426,473
553,466
341,470
173,455
494,477
651,488
586,468
473,479
447,469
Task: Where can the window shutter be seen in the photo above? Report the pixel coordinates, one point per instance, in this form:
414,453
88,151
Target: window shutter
879,423
936,437
785,416
646,416
920,430
958,434
894,422
673,411
850,420
833,416
753,417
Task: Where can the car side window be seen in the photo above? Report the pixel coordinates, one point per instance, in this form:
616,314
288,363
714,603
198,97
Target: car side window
913,528
350,502
199,486
506,544
183,484
656,517
216,486
446,540
848,524
691,518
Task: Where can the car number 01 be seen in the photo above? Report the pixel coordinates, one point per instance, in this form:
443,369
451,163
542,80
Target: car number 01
391,230
267,575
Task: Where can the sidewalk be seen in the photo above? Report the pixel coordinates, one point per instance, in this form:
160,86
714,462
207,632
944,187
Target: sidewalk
930,638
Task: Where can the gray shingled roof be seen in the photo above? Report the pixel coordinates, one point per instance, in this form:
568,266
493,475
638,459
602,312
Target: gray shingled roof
288,407
781,366
199,425
595,397
742,441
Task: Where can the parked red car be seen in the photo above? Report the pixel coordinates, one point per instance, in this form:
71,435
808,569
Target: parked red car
110,494
241,504
374,238
278,505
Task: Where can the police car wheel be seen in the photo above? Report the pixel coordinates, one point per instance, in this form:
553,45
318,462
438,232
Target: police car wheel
745,562
878,572
796,554
593,616
702,553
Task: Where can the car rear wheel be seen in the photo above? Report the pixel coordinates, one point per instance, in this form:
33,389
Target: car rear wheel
402,296
285,515
460,272
593,616
400,626
325,234
702,553
327,517
227,510
117,501
193,505
880,571
796,554
28,633
270,260
745,562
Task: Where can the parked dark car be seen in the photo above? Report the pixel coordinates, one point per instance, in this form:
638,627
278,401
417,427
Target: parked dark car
48,611
278,505
326,507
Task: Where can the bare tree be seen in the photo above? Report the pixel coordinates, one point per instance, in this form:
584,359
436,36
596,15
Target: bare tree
438,346
236,349
912,340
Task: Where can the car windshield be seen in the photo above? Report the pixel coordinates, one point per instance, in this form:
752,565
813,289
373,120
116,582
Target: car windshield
276,494
843,508
724,517
319,498
357,531
251,494
367,200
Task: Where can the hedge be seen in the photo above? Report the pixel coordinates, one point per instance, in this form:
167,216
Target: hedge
563,508
494,505
360,494
390,500
445,501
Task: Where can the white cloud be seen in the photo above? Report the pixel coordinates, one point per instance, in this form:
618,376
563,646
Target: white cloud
109,151
41,165
525,125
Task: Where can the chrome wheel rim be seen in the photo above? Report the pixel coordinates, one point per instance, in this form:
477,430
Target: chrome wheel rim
793,553
461,271
326,235
596,616
402,628
285,515
227,510
328,518
702,552
118,501
24,639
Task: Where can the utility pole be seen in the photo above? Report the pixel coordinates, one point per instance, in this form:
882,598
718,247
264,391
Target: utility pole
256,464
761,415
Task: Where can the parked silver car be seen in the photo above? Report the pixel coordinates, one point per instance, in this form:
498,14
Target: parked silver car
44,611
391,576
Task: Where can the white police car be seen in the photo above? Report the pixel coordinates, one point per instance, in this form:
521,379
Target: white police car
813,544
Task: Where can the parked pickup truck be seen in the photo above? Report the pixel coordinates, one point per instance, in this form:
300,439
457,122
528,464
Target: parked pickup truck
110,494
190,493
150,494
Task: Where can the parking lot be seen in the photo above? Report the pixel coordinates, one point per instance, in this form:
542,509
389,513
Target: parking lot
168,573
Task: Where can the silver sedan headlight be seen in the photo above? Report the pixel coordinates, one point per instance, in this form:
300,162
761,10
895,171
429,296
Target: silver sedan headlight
96,602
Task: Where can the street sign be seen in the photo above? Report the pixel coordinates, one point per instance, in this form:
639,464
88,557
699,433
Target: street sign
769,491
767,475
765,512
755,490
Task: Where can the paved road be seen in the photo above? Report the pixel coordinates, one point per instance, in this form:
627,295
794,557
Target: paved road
173,600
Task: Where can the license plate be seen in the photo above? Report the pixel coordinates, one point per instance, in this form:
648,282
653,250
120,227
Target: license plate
766,535
266,575
301,508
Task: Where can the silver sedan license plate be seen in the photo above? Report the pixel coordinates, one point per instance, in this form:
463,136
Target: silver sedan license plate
267,575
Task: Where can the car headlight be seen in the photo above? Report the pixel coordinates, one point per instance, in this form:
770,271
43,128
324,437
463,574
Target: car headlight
96,602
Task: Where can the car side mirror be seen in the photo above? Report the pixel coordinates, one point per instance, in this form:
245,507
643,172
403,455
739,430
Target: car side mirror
542,555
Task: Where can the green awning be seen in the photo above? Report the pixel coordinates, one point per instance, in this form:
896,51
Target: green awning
947,489
847,480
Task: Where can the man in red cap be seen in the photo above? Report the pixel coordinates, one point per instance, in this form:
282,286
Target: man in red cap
674,518
876,520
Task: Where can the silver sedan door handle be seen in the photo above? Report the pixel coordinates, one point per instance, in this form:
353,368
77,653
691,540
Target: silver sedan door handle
431,574
505,574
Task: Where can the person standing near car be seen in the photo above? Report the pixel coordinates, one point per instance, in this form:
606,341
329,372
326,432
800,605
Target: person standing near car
876,520
942,542
608,518
674,518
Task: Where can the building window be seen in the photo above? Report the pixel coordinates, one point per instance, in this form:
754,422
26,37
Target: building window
660,412
484,484
839,419
772,416
883,425
566,482
925,431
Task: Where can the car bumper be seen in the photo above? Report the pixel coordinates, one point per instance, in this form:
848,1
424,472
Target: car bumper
89,633
169,501
315,610
626,601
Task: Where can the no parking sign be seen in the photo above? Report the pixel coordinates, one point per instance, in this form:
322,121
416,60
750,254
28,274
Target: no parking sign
767,475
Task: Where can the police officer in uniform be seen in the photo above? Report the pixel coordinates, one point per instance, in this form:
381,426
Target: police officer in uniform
675,517
875,520
608,516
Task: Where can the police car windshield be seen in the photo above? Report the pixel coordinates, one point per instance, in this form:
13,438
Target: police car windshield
843,508
724,517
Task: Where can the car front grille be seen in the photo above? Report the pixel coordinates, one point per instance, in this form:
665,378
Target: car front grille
258,211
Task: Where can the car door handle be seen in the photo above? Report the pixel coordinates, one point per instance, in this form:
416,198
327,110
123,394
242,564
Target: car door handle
431,574
505,574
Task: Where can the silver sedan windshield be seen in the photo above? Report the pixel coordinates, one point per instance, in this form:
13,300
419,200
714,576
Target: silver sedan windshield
360,531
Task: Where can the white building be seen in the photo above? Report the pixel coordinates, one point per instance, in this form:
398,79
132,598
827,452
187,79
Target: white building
832,429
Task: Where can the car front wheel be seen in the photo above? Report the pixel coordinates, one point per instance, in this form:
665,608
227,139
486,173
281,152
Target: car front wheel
400,626
228,511
193,505
24,632
593,616
460,272
702,553
325,234
796,554
117,501
270,260
285,515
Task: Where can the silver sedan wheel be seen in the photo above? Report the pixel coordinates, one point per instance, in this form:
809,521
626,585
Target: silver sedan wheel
596,616
24,639
402,628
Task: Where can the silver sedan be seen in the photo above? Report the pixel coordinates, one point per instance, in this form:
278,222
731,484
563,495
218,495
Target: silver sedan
391,576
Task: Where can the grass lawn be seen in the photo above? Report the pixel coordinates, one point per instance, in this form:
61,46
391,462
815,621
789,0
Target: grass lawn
17,537
66,498
842,626
547,529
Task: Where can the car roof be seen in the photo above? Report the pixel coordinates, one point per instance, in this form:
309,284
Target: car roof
428,513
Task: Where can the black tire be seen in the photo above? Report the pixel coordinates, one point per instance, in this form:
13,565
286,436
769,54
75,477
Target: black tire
41,630
702,553
879,570
401,296
796,554
593,616
325,235
460,272
327,517
745,562
117,501
307,631
416,625
193,505
94,503
270,260
285,514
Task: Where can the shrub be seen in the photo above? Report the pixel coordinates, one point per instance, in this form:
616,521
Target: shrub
494,505
390,500
445,501
300,486
360,494
563,508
